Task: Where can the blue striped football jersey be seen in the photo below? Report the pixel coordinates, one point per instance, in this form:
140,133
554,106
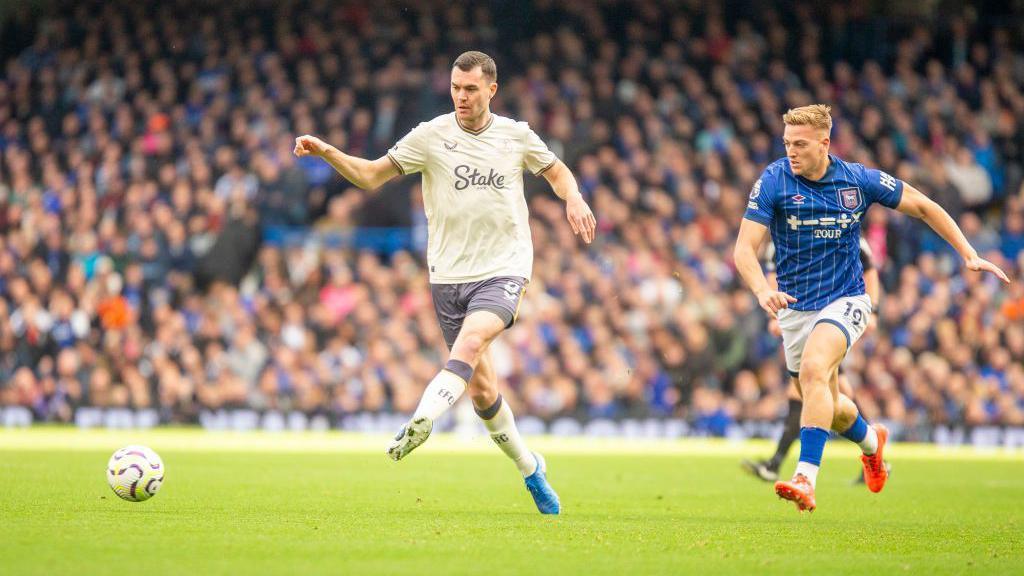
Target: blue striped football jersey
815,226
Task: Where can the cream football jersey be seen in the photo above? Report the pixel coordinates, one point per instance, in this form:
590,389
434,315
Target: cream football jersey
477,220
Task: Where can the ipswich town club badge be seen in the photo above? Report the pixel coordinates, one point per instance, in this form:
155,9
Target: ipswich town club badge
850,198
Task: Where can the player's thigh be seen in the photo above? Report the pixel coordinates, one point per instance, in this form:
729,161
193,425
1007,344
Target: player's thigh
825,349
500,296
850,315
796,326
493,306
479,329
836,328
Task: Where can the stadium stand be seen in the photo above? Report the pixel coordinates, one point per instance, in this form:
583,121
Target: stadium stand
161,248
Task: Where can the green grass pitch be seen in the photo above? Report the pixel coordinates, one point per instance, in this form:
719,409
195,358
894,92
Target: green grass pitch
332,503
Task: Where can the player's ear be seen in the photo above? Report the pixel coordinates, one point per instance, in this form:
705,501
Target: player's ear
493,88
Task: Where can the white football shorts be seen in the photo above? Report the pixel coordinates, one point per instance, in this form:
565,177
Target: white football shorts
850,314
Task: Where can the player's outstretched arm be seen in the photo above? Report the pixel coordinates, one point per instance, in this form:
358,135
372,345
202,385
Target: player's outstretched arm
914,203
580,217
366,174
752,235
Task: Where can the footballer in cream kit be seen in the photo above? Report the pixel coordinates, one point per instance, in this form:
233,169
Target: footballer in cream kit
478,222
479,248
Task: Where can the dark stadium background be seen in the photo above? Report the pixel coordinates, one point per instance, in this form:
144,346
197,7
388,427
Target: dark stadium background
165,259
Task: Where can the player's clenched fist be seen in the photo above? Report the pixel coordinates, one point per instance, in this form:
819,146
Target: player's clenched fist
310,146
772,301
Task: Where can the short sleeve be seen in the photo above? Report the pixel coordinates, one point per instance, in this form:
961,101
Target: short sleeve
410,153
761,204
882,188
537,158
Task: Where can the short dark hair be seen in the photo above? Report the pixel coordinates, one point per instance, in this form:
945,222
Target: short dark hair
469,60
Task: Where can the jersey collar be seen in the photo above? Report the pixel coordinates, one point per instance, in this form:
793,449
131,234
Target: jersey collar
482,129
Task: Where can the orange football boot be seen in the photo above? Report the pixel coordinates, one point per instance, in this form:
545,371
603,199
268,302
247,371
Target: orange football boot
875,473
799,491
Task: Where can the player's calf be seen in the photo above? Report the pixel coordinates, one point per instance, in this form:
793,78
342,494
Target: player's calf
501,424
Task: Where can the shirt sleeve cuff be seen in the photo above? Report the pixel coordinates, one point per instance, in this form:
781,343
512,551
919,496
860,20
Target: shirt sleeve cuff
397,165
546,168
758,218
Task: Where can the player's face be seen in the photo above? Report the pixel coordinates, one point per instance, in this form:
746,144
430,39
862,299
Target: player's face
471,93
806,148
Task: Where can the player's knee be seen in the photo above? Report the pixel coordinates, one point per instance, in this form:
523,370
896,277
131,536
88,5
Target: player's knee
814,372
469,346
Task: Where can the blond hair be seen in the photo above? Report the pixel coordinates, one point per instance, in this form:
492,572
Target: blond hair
816,115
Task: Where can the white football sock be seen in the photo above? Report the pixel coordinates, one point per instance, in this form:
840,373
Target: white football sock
440,395
502,428
869,445
809,470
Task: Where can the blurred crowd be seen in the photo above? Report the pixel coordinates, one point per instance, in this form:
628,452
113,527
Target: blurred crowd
145,148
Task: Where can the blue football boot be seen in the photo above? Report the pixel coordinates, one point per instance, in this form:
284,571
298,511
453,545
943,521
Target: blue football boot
544,495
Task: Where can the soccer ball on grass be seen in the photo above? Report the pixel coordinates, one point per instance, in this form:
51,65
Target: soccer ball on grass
135,473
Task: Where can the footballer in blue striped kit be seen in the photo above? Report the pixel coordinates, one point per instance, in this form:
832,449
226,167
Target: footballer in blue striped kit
812,203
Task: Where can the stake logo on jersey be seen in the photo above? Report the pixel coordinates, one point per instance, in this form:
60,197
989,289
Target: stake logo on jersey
815,226
466,176
478,224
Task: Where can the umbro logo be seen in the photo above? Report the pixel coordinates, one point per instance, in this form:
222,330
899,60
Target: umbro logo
451,146
799,199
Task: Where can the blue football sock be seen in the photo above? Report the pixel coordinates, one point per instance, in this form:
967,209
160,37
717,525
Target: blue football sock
812,444
858,431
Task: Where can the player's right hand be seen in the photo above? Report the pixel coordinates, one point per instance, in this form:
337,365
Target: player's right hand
581,218
979,264
310,146
772,301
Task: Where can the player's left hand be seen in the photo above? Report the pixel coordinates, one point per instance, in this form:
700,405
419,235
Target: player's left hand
979,264
307,145
581,218
872,323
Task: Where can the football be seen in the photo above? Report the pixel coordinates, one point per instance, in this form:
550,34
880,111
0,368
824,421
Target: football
135,473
